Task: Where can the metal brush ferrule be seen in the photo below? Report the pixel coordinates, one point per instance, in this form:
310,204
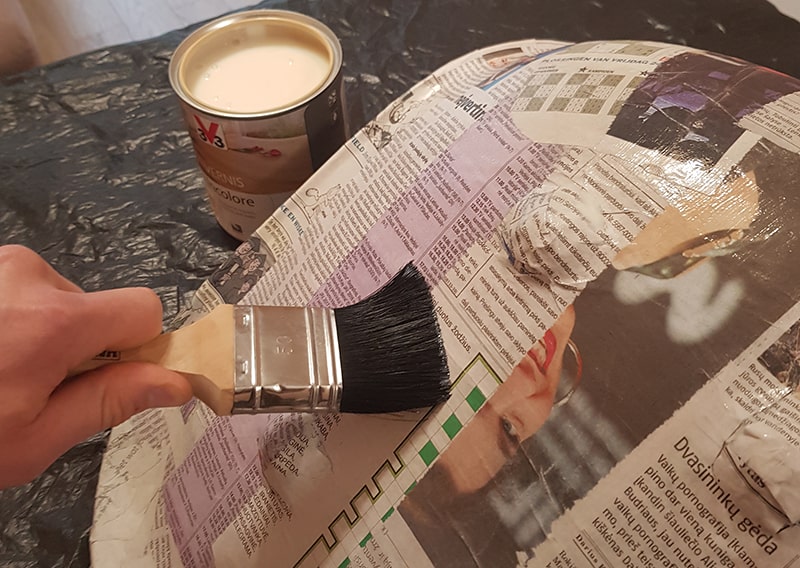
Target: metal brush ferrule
287,360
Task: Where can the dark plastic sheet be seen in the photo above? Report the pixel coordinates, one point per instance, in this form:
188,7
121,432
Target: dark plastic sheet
97,173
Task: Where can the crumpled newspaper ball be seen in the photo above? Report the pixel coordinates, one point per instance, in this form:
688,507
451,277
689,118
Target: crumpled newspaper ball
558,220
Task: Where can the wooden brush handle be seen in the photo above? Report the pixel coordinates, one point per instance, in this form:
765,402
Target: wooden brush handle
202,352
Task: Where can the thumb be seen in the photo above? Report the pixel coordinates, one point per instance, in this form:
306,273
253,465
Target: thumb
105,397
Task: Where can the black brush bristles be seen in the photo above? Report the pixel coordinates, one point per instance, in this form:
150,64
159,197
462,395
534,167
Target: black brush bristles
391,349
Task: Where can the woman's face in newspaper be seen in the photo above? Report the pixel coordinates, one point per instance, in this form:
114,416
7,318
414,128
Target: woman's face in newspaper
516,410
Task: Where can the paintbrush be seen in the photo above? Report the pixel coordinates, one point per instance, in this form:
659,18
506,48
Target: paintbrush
383,354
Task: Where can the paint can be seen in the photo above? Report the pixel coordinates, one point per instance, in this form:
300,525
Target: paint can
261,94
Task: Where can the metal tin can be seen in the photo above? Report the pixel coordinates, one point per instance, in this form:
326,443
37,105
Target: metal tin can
261,94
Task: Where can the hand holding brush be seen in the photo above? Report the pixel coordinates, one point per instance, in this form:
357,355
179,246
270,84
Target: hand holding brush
386,360
383,354
49,326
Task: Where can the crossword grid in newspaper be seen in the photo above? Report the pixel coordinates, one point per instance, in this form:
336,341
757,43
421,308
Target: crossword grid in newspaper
354,527
585,93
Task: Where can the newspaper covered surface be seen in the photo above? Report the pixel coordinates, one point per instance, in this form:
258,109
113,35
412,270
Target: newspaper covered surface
619,210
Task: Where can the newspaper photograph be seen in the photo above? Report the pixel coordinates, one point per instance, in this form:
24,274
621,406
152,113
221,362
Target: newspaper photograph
607,232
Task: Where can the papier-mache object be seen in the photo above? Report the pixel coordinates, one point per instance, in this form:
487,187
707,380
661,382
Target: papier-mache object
609,230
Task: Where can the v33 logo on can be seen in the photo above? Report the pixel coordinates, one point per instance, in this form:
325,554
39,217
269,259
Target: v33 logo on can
211,133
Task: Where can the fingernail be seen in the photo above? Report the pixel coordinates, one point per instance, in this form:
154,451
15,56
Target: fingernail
550,344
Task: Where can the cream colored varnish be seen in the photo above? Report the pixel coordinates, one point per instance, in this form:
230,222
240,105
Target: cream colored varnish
259,74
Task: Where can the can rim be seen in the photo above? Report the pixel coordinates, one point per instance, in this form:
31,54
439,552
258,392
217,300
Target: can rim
179,57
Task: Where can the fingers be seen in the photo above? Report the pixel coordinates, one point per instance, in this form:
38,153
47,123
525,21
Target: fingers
27,266
102,399
91,323
43,307
120,318
109,320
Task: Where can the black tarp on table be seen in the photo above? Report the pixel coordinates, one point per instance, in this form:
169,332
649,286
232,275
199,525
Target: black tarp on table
98,176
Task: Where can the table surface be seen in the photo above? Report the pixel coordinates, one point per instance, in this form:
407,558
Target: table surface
97,173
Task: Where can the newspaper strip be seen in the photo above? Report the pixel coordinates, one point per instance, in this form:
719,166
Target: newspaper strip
533,183
714,486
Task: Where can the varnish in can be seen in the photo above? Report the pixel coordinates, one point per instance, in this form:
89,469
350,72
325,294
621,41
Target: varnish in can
261,93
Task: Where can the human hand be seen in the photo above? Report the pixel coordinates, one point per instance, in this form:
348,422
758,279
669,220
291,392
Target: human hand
50,326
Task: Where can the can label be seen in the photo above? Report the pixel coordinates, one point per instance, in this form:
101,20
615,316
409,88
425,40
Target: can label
247,174
210,132
239,212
